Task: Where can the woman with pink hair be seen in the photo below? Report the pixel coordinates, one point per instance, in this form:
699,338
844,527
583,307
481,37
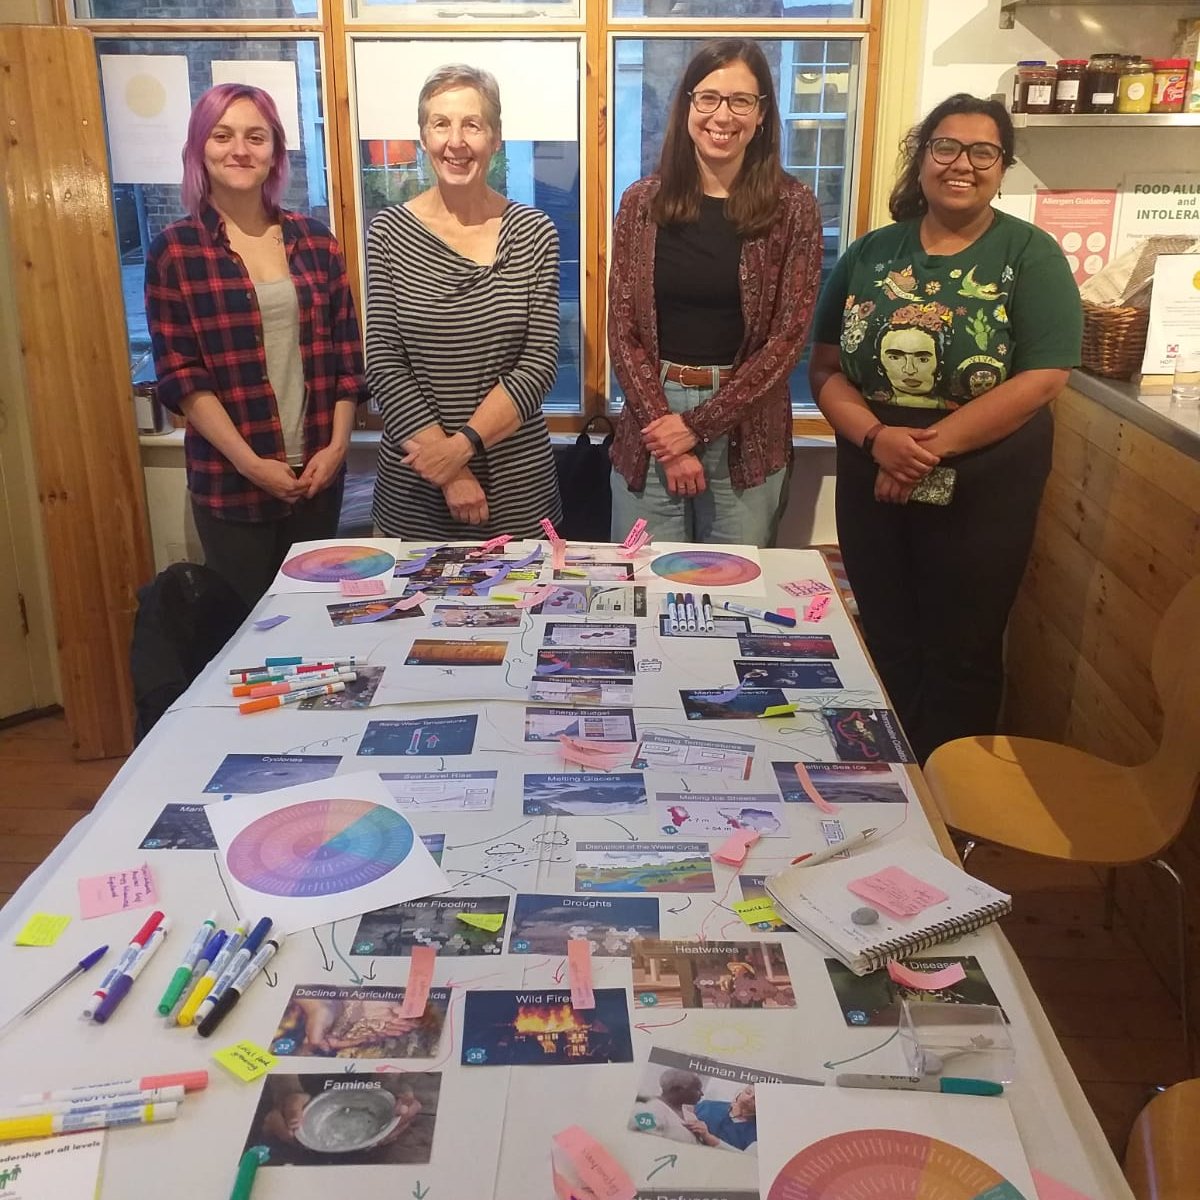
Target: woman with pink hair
256,342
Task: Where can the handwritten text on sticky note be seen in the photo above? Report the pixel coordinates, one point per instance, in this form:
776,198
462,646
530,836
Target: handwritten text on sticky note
897,892
420,978
245,1060
100,895
362,587
753,912
42,929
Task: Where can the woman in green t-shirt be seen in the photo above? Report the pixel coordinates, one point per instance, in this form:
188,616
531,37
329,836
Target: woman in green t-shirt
939,341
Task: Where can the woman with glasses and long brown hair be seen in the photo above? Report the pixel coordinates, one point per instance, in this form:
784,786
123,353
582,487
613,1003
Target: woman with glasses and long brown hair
938,344
716,264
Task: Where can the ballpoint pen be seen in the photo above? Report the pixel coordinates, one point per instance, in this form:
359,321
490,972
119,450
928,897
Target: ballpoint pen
851,843
84,964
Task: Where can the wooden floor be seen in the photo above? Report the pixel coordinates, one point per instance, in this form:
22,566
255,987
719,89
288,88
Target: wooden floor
1117,1022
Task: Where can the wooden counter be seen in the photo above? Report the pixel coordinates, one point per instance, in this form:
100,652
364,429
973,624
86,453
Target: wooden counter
1118,535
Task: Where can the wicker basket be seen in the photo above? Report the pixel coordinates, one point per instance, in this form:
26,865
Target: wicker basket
1114,339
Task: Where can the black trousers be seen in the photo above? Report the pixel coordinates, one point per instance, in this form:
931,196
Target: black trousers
935,585
249,553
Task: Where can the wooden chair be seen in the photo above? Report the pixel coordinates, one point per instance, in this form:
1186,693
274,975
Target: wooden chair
1059,802
1162,1160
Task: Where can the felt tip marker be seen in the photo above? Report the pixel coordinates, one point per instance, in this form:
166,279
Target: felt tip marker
128,955
672,613
125,981
310,679
117,1089
237,989
233,968
205,985
36,1125
923,1083
183,972
689,611
152,1096
706,602
84,964
209,952
243,1184
310,693
350,660
286,686
275,674
761,614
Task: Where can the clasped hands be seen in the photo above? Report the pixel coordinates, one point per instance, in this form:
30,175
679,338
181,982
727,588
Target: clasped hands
903,459
443,463
279,480
670,441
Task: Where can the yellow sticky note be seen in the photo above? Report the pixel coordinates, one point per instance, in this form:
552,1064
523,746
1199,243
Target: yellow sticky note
779,710
42,929
489,921
506,598
245,1060
754,911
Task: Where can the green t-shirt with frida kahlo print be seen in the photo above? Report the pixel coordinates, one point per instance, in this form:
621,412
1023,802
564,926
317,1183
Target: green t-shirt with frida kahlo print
936,330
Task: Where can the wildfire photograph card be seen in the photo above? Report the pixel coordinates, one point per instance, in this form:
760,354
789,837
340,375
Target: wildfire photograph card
711,975
540,1028
841,783
643,867
544,924
572,661
434,652
584,794
455,927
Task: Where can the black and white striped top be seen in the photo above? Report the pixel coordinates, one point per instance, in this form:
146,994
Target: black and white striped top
442,330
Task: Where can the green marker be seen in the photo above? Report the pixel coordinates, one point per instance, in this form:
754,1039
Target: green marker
243,1185
184,971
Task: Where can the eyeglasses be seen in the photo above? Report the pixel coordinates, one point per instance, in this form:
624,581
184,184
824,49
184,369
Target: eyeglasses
946,150
741,104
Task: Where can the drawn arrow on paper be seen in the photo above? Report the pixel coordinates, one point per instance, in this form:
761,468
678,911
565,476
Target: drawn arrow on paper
371,973
645,1027
683,909
272,981
667,1160
419,1192
325,959
355,977
686,786
558,974
632,836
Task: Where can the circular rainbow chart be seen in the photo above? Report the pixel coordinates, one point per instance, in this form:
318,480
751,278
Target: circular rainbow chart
705,568
332,564
319,848
864,1164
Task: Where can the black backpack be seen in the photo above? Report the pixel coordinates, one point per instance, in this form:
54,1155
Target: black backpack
583,482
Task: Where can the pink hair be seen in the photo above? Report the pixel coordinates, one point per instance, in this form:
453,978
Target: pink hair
206,113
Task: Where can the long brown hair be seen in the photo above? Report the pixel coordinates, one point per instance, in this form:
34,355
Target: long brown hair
754,196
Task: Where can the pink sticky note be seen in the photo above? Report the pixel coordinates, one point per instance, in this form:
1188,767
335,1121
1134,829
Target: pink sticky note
1049,1188
733,849
100,895
491,546
420,977
579,973
810,790
897,892
786,611
925,981
558,555
362,587
806,587
816,608
535,596
587,1171
603,756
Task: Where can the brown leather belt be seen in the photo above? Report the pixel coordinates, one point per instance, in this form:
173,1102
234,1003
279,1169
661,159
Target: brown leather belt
698,377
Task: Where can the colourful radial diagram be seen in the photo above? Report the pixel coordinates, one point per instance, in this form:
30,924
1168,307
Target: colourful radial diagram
319,848
866,1164
705,568
332,564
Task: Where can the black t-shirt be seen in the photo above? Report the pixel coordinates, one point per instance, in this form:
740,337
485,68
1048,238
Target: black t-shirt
696,289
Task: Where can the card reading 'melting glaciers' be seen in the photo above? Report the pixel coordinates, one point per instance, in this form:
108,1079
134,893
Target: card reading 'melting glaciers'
867,735
544,924
432,736
584,794
180,827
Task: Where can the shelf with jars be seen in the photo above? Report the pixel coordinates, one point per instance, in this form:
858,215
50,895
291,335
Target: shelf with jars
1105,120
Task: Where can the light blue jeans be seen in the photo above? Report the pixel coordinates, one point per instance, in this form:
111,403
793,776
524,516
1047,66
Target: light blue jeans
719,514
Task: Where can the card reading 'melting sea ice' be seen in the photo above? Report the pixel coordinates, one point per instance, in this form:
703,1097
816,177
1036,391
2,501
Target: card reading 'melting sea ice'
717,814
867,735
442,791
723,704
435,921
694,756
544,924
247,774
180,827
711,975
584,794
594,724
643,867
432,736
841,783
802,673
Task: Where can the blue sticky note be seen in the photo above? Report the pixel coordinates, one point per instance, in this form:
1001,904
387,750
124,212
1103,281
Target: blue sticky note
271,622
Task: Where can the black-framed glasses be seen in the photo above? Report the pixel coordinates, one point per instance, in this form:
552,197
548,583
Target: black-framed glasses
741,104
945,150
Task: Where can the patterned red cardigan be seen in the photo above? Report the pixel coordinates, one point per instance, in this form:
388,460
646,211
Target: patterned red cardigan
780,274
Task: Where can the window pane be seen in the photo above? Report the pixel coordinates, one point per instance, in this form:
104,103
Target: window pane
537,164
144,208
817,83
437,10
809,10
195,10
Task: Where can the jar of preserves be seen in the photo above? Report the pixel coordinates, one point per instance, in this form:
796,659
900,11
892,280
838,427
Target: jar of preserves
1035,86
1068,85
1026,70
1100,83
1135,87
1170,84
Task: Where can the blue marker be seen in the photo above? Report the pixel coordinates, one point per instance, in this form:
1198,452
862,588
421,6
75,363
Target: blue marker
207,957
233,969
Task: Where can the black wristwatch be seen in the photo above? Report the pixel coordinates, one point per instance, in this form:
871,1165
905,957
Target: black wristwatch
474,438
868,442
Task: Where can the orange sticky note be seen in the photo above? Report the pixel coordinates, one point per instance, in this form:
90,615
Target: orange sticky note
584,1170
579,973
420,977
816,608
925,981
733,849
810,790
897,892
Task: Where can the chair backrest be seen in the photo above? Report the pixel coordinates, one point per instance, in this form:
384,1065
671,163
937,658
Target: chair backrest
1171,778
1162,1160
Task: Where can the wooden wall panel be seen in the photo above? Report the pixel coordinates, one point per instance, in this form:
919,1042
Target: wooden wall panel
1117,537
76,364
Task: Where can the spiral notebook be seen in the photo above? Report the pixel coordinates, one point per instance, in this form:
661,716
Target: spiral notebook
920,899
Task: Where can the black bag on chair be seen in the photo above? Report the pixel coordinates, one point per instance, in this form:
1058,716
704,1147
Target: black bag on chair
583,483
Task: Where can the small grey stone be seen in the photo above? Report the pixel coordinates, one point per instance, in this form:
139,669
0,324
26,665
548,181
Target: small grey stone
864,916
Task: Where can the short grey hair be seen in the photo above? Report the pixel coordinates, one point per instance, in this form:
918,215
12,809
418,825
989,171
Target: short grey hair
456,75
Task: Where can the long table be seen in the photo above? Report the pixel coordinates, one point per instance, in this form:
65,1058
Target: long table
491,1136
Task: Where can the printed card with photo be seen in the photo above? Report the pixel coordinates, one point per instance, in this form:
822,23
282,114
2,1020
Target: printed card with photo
694,1100
436,921
544,924
805,673
594,725
249,774
433,652
180,827
432,736
584,794
874,999
585,662
345,614
694,756
711,975
590,635
595,572
550,689
723,627
786,645
442,791
326,1021
722,704
358,693
643,867
364,1118
842,782
477,616
753,888
541,1028
867,735
718,814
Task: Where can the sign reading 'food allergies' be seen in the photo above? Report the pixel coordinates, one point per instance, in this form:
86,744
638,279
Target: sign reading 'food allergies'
1162,203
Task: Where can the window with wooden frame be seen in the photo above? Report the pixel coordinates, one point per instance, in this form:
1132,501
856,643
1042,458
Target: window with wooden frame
585,87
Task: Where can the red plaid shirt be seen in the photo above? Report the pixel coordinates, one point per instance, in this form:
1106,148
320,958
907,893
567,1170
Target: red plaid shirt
207,334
